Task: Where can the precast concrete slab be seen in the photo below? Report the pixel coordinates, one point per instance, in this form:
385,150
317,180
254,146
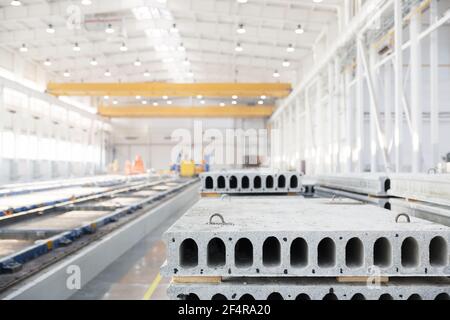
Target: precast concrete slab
247,182
432,188
292,236
422,210
365,183
313,289
339,194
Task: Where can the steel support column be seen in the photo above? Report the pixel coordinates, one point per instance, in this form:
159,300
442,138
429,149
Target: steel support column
416,90
398,17
434,84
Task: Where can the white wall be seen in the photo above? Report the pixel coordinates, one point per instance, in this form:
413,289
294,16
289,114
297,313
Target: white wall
151,138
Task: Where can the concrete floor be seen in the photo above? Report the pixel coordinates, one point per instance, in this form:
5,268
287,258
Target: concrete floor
135,275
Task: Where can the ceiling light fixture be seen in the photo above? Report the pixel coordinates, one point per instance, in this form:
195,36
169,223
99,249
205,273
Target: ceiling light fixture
107,73
290,48
286,63
109,29
234,102
106,97
86,2
239,48
94,62
242,1
144,102
16,3
137,63
199,97
165,97
190,74
47,63
138,97
23,48
76,47
260,102
186,62
169,102
155,104
222,104
299,29
146,74
234,97
202,102
241,29
263,97
50,29
181,47
276,74
66,74
174,28
123,47
115,102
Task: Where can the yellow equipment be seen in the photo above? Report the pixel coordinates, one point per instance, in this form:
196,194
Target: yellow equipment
187,168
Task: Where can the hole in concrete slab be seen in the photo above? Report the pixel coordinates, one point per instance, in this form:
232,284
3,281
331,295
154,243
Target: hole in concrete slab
275,296
387,185
221,182
358,296
294,182
188,253
415,296
269,182
330,296
247,297
281,181
218,297
243,253
438,252
326,253
245,182
299,253
189,297
442,296
410,253
354,253
233,182
386,296
382,253
216,253
387,206
209,183
303,297
257,182
271,252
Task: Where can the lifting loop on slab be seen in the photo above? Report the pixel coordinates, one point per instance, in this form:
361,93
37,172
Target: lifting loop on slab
222,220
408,219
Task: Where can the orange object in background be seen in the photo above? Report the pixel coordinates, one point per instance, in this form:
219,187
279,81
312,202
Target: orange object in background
138,166
128,168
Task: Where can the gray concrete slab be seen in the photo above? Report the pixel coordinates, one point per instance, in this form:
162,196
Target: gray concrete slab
312,289
363,183
292,236
250,181
431,188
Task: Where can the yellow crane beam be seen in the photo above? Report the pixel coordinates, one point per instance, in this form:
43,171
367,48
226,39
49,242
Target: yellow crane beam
238,111
173,90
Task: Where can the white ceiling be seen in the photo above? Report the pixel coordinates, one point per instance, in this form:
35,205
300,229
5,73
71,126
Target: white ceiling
206,28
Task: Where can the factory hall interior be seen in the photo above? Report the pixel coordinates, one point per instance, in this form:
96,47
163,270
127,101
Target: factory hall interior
233,150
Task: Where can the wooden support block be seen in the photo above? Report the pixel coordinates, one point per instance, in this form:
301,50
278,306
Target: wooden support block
363,279
195,279
210,195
